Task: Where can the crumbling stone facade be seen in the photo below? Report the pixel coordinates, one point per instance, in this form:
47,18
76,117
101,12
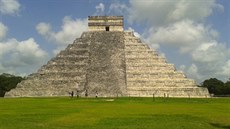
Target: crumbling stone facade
108,63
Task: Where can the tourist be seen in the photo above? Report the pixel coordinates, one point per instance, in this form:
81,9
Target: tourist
96,94
72,93
86,93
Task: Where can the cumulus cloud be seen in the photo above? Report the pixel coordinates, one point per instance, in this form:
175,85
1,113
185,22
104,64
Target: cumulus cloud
100,9
44,29
3,30
70,29
21,57
118,8
210,52
163,12
9,6
181,24
186,35
192,71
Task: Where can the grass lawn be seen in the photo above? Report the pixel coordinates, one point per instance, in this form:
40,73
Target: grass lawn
117,113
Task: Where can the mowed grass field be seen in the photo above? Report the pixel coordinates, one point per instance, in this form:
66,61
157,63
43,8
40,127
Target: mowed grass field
114,113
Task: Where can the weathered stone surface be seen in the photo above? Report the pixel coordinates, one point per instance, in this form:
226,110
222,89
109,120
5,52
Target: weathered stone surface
108,63
106,71
147,74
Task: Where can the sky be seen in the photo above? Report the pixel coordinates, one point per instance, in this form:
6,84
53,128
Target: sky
192,34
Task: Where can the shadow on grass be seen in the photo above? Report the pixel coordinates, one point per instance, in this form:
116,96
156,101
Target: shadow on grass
220,126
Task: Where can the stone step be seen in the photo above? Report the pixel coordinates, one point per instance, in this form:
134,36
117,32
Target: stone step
171,92
63,75
157,88
158,75
147,64
128,45
67,64
166,81
145,60
136,59
152,68
74,56
64,70
170,73
150,56
78,45
65,79
62,67
148,72
132,40
128,33
160,84
140,52
71,60
82,52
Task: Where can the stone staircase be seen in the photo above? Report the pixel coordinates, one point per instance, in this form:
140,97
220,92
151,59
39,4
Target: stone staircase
148,74
62,74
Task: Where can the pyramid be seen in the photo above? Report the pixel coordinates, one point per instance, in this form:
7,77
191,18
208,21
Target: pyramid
108,61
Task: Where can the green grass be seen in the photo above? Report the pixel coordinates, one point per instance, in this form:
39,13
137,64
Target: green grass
122,113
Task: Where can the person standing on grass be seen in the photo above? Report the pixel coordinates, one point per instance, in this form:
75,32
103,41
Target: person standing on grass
72,93
78,93
86,93
96,94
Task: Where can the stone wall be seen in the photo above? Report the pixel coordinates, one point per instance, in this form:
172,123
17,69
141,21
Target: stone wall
99,23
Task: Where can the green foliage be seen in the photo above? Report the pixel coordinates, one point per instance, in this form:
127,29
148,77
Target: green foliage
217,87
8,82
114,113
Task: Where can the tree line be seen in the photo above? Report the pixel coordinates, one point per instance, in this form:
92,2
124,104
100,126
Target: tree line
217,87
214,86
8,82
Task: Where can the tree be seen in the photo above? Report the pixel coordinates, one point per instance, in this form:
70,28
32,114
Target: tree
214,86
8,82
227,88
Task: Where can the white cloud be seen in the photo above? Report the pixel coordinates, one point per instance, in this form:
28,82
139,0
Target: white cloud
185,34
181,24
210,60
70,29
118,8
210,52
192,71
3,30
9,6
226,69
43,28
21,57
162,12
100,9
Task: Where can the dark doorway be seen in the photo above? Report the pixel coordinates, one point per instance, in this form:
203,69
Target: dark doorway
106,28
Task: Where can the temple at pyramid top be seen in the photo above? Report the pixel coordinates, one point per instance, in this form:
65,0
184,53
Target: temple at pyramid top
105,23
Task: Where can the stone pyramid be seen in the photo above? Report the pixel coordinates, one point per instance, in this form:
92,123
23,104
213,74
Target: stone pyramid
109,62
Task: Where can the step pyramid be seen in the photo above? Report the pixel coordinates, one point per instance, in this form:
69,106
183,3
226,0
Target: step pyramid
108,63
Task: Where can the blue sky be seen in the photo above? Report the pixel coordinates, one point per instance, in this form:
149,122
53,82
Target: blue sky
192,34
